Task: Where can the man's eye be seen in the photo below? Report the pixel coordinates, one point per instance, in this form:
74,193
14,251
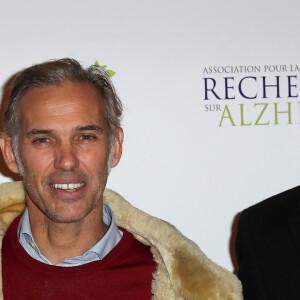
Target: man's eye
87,137
41,140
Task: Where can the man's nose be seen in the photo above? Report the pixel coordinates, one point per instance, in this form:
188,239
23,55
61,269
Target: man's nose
66,157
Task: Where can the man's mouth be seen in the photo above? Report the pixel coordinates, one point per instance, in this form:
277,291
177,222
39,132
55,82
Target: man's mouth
69,187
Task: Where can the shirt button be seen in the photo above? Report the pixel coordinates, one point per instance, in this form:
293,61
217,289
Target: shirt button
32,244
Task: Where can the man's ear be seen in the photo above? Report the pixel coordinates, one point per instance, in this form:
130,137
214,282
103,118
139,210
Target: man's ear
8,153
117,147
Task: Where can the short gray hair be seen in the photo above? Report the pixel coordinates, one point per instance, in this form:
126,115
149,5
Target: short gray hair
55,72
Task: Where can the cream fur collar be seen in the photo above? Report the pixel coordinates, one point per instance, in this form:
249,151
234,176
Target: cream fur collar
183,272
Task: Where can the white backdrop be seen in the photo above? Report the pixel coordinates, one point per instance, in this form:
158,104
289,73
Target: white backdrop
178,164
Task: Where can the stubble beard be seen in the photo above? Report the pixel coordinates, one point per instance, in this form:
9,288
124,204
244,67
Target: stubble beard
42,199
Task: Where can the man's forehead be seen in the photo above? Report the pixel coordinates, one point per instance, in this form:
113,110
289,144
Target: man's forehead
64,94
63,85
79,104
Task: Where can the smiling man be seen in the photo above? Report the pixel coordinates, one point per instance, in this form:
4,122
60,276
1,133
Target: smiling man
63,134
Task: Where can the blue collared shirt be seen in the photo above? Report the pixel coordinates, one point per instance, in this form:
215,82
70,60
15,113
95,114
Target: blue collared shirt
110,239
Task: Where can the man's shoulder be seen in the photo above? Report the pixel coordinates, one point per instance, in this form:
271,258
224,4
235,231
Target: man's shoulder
275,209
277,203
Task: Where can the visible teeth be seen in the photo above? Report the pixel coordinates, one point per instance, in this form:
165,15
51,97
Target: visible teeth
67,186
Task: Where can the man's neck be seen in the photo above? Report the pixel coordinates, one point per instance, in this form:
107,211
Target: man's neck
58,241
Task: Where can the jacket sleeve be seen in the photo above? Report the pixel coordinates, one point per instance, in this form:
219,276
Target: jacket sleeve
249,271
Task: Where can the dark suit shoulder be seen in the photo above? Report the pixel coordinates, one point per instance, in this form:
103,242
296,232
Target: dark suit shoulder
275,208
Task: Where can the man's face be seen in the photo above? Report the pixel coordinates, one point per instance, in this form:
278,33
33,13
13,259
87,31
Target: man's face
64,147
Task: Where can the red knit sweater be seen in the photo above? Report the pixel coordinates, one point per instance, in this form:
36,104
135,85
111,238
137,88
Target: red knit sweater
125,273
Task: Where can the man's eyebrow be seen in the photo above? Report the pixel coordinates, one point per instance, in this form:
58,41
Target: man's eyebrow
88,127
78,128
39,131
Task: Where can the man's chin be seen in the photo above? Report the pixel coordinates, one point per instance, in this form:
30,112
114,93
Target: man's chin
65,218
61,210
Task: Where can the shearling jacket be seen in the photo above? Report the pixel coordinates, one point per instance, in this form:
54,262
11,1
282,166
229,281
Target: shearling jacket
183,271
